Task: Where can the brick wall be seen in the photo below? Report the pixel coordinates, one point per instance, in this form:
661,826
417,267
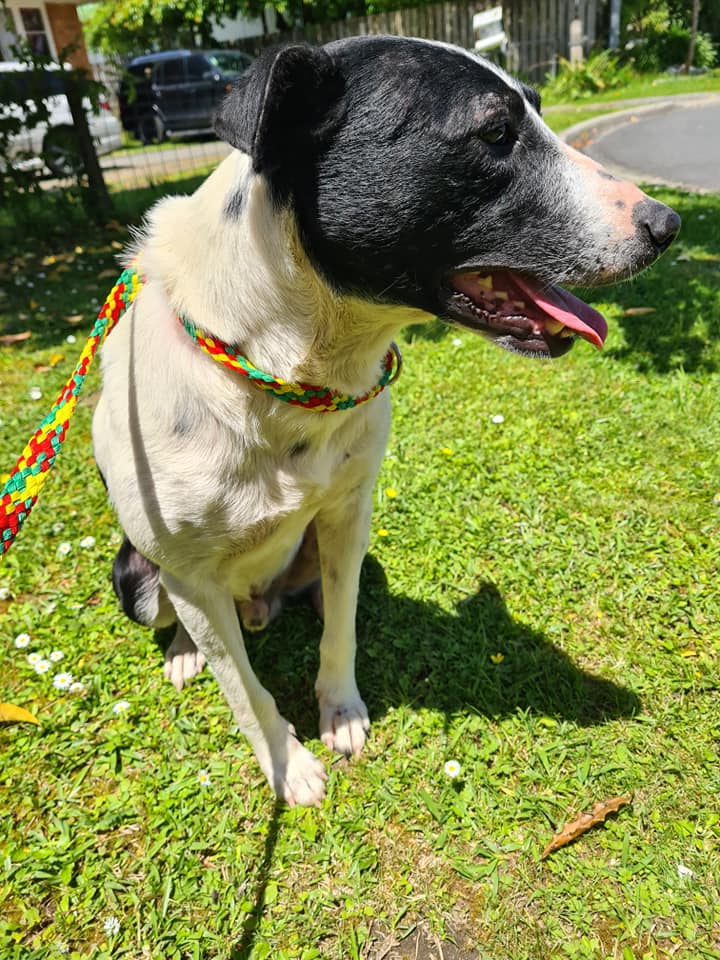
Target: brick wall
66,31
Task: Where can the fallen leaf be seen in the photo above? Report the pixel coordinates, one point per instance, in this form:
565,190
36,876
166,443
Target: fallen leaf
638,311
41,368
7,338
34,304
116,245
12,714
571,831
74,319
55,359
105,274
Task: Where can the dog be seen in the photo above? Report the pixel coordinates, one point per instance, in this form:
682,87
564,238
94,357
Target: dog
375,182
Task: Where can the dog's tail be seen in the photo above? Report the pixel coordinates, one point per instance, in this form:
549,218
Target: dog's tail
136,581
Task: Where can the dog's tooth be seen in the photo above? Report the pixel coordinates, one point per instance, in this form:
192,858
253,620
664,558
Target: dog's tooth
554,326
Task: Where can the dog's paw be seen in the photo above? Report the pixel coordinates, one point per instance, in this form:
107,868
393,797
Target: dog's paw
183,660
296,775
343,726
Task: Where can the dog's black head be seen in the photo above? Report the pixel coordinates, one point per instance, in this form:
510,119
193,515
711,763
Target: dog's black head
422,175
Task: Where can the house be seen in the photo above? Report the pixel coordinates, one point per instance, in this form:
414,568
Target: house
49,26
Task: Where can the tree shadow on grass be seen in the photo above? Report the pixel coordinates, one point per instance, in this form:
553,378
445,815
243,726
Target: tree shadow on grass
681,291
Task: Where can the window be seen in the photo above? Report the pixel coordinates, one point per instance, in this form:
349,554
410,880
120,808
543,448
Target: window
198,67
172,71
34,30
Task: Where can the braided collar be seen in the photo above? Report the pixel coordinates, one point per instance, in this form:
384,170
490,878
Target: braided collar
319,399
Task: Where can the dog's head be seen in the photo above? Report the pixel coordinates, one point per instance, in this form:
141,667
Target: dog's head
423,176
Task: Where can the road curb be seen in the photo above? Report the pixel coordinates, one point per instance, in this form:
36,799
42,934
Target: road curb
582,135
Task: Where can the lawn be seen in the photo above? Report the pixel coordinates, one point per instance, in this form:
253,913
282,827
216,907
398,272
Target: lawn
539,603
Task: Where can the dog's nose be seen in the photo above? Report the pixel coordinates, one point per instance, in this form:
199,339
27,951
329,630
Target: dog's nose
661,223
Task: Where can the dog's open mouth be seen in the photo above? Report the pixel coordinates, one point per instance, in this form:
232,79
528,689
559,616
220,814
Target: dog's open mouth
521,314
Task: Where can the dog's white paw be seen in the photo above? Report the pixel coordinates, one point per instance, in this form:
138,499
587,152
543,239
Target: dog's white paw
295,774
183,660
343,726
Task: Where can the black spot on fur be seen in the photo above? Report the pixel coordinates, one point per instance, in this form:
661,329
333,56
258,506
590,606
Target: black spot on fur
134,579
299,448
235,204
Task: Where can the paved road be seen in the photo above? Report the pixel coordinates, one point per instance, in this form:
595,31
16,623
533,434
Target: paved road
676,144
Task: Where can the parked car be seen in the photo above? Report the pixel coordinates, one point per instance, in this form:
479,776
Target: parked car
176,92
52,143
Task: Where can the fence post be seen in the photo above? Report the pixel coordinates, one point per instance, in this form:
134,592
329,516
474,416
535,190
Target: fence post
99,204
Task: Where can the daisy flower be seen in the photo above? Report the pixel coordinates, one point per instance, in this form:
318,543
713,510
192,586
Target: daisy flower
22,640
452,769
35,393
42,666
62,681
111,926
64,549
33,658
203,778
498,418
4,593
57,527
77,686
121,706
71,338
56,656
87,542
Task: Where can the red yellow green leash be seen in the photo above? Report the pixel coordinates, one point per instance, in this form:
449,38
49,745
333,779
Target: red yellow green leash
24,483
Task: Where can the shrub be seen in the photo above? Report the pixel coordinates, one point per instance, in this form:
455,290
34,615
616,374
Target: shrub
598,73
656,42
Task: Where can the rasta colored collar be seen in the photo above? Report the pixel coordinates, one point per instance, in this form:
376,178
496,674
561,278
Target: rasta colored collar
22,486
319,399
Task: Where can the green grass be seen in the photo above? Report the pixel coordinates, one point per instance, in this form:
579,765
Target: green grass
652,85
540,602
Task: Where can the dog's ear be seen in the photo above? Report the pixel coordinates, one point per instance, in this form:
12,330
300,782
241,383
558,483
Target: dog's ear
280,104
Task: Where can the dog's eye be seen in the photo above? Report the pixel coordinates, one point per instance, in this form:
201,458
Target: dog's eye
498,134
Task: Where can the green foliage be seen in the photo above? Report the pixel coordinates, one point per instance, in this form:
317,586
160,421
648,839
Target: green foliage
657,38
598,74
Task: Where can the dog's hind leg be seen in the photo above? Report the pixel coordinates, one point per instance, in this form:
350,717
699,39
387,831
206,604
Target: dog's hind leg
211,620
143,598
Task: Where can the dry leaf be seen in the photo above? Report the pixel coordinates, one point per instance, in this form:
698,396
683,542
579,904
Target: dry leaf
74,319
55,359
7,338
41,368
105,274
12,714
638,311
571,831
34,304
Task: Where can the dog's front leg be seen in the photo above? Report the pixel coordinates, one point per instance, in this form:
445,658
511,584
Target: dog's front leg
342,544
210,618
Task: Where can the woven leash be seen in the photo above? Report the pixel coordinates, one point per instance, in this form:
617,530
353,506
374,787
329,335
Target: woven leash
23,485
30,472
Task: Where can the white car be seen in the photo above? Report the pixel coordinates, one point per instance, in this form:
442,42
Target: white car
53,143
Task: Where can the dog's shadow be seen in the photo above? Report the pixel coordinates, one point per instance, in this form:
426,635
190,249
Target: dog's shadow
413,652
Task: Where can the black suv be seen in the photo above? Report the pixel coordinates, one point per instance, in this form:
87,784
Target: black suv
176,91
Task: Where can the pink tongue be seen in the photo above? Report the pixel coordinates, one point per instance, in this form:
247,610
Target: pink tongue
567,309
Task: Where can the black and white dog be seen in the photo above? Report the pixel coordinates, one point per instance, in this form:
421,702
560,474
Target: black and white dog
376,182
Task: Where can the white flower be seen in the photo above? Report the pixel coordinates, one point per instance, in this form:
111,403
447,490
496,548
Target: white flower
22,640
71,338
61,947
35,393
203,778
62,681
115,537
4,593
452,768
77,686
56,656
33,658
50,608
684,871
457,342
57,527
498,418
42,666
64,549
87,542
121,706
111,926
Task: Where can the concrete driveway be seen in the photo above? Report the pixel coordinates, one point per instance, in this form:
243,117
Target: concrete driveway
674,141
